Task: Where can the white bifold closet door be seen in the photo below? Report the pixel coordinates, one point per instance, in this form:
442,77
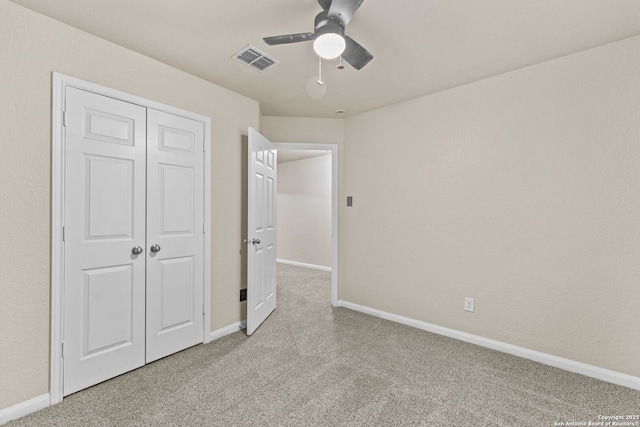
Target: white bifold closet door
133,237
175,226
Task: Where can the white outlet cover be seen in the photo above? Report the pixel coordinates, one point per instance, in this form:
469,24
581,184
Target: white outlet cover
468,304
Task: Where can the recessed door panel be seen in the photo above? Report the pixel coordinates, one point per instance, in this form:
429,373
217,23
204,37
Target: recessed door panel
177,194
108,309
107,127
177,140
109,189
270,201
258,205
258,280
271,159
178,291
270,271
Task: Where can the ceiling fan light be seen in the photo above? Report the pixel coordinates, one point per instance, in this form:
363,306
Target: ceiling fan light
329,45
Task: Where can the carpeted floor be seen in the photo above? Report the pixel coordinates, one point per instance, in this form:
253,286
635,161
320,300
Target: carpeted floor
313,365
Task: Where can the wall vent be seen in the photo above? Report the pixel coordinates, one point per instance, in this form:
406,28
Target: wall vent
254,58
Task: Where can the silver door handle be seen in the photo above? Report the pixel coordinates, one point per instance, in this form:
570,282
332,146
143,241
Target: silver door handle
137,250
155,248
256,241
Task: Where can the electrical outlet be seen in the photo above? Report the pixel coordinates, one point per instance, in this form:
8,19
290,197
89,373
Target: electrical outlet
468,304
243,294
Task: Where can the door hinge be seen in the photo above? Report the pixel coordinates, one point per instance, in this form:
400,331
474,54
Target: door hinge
63,231
203,228
203,309
64,118
62,350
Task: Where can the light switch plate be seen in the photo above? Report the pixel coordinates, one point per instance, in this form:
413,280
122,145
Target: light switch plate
468,304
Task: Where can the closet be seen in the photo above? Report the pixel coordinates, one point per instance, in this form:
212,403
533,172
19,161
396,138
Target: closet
133,236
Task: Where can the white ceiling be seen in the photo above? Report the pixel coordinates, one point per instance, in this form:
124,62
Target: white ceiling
419,46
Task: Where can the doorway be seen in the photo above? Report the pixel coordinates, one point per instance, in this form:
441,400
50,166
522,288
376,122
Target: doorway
301,151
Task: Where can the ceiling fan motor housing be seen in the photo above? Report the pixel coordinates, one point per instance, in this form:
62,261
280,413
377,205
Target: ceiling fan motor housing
324,25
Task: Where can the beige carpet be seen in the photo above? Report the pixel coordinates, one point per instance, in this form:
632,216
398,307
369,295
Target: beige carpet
312,365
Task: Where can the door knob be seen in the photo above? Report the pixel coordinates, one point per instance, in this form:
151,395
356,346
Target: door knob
155,248
256,241
137,250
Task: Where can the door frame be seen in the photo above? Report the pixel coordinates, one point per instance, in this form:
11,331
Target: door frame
59,84
333,149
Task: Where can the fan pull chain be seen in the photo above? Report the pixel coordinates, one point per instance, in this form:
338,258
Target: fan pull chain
320,82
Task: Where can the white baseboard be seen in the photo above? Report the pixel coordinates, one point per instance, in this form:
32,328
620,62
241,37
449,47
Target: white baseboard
24,408
227,330
544,358
41,402
302,264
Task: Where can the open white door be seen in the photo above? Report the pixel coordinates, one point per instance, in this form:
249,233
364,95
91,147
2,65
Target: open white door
261,253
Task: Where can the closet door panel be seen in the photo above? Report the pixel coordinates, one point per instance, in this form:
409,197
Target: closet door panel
175,240
104,290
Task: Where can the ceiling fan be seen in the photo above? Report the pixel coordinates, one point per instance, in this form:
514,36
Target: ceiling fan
329,36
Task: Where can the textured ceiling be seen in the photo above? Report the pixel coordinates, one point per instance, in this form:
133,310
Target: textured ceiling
419,46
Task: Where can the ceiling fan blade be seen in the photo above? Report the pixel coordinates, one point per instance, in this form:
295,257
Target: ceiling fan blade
324,4
289,38
355,54
343,10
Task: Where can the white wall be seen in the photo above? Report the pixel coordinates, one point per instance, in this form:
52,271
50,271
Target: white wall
304,129
31,48
522,191
304,211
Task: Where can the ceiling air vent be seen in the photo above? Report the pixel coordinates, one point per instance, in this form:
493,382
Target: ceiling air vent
254,58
